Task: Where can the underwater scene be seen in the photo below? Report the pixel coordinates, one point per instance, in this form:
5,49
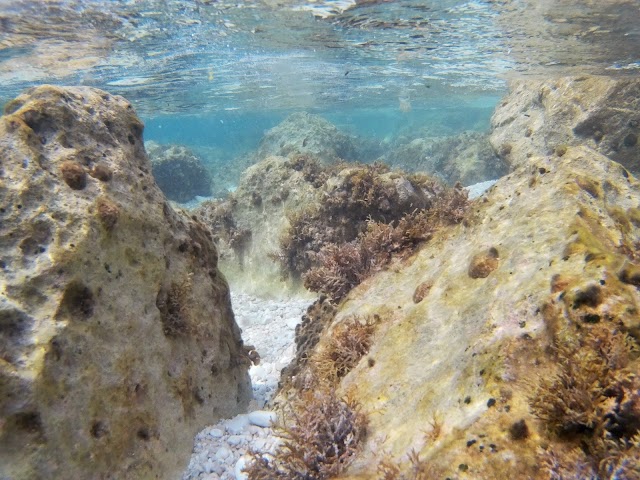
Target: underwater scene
320,239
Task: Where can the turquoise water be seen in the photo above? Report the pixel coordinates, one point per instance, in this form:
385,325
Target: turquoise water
217,74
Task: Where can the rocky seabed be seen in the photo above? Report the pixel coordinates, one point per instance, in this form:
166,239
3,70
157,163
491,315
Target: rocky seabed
220,450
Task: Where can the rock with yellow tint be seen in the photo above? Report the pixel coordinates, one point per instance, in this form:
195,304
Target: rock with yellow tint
544,117
450,377
117,340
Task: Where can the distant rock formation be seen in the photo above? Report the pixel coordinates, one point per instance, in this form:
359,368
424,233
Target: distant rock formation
286,209
179,172
304,133
117,339
544,117
466,158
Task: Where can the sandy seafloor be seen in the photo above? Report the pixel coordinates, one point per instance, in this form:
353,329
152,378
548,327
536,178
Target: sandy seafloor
220,450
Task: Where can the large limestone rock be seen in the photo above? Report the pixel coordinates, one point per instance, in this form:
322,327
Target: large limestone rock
543,117
117,339
464,326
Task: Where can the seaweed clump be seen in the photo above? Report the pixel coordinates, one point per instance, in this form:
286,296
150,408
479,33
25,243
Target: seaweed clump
321,439
590,408
418,469
338,267
347,344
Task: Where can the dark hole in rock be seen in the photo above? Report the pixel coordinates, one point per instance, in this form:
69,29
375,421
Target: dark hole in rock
630,140
137,129
590,296
172,311
78,300
98,429
29,422
40,236
37,121
131,139
143,434
73,174
13,324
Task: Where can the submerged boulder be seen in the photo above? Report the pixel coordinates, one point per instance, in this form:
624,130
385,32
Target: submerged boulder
117,339
179,172
466,158
285,210
544,117
475,335
304,133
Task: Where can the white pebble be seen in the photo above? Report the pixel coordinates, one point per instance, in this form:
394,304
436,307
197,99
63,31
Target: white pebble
222,453
216,433
262,418
236,439
240,466
237,424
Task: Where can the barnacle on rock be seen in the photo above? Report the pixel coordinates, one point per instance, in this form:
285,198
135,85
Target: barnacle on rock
73,174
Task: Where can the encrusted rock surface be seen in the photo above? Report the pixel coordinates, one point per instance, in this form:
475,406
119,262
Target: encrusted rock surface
117,340
179,172
451,375
249,224
543,117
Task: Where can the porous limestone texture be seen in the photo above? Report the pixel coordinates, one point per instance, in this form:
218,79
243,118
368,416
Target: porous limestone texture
466,158
451,368
308,134
543,117
179,172
117,339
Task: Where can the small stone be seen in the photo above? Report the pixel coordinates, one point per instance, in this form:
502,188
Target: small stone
222,453
262,418
237,424
240,466
216,433
236,440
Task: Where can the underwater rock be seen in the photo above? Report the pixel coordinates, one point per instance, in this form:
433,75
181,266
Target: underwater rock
178,172
543,117
304,133
452,380
284,211
466,158
117,339
247,225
